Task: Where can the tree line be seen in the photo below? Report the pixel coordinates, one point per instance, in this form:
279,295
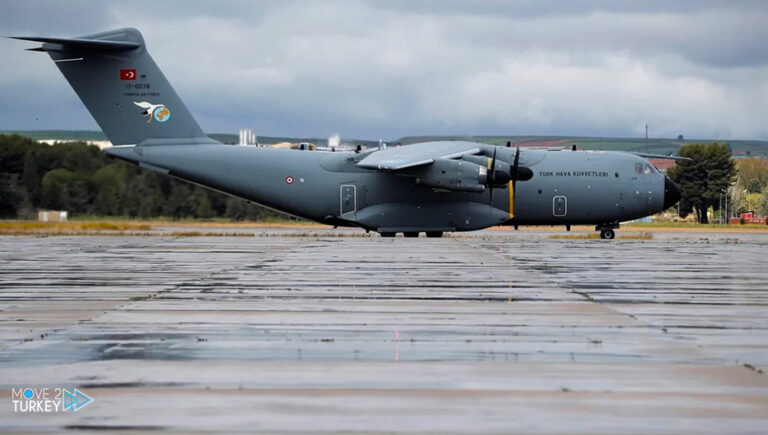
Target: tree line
83,180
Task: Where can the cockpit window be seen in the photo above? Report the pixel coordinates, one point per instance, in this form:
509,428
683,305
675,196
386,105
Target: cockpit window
644,168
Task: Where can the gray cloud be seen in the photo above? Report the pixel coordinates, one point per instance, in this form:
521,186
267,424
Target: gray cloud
386,69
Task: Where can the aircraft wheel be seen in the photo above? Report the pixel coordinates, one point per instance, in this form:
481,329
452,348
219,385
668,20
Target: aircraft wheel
434,234
387,234
411,234
607,234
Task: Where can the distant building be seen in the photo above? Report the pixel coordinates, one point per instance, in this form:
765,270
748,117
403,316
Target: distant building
248,138
51,216
748,217
336,144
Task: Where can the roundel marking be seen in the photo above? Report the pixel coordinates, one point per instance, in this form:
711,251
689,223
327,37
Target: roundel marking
289,180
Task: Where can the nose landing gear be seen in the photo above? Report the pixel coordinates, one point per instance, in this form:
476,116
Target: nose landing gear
606,230
607,234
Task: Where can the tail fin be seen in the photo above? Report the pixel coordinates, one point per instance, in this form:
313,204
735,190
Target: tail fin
122,87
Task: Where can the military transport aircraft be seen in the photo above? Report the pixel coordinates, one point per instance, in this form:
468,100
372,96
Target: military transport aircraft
429,187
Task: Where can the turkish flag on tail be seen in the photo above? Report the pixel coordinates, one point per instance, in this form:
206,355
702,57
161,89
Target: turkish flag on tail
127,74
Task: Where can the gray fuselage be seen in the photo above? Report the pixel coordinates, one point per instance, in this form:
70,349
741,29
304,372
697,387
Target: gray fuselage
568,187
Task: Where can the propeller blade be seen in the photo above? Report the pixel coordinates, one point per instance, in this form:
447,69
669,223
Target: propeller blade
491,189
493,165
517,172
492,176
516,163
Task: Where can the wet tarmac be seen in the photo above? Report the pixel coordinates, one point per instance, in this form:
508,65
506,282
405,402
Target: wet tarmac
320,330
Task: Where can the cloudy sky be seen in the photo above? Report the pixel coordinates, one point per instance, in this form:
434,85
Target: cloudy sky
385,69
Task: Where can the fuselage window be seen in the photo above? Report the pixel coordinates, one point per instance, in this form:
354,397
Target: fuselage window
648,169
638,168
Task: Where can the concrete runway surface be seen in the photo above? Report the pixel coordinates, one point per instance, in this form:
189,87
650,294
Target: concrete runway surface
484,332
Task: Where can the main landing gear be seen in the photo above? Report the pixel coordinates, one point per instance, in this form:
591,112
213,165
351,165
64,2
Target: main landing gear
606,230
430,234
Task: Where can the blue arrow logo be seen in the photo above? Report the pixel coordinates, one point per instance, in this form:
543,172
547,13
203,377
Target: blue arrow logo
75,399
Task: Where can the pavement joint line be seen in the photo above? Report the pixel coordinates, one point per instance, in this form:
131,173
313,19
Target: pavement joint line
178,286
607,304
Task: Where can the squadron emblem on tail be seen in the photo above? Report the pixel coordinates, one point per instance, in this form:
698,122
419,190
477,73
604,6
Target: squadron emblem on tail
157,111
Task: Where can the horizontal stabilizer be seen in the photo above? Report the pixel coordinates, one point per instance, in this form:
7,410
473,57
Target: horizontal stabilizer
81,44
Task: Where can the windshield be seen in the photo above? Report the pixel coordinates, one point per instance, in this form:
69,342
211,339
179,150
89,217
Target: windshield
644,168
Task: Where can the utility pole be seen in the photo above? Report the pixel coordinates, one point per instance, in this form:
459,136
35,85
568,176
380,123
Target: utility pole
646,137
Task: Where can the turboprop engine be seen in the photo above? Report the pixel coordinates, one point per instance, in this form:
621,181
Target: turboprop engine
452,175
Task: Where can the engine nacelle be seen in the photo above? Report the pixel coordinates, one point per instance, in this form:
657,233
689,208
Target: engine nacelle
452,175
501,168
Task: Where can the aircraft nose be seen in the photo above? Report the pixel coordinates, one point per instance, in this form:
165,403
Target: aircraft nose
671,193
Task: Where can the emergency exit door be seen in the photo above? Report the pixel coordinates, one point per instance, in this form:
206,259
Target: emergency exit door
348,198
559,206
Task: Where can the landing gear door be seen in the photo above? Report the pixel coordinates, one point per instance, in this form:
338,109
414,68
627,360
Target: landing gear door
348,199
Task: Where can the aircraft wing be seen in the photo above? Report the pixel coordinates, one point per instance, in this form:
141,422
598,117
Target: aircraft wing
660,156
394,159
